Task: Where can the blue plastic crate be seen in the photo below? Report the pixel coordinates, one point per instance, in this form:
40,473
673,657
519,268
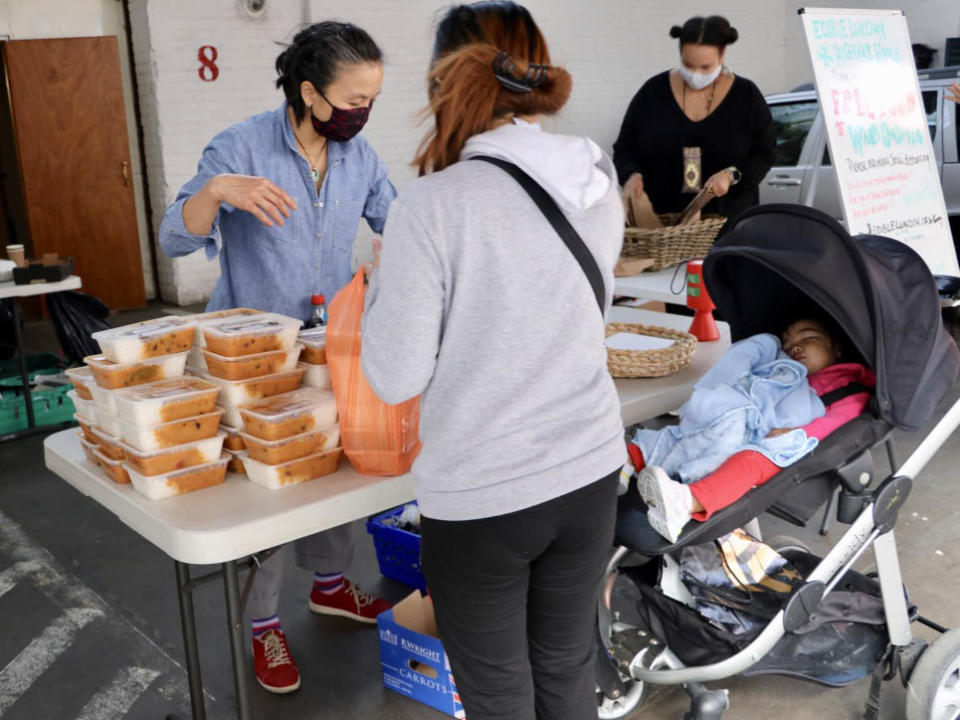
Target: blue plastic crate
398,550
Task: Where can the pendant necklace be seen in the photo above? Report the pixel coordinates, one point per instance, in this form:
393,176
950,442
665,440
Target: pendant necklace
713,90
314,172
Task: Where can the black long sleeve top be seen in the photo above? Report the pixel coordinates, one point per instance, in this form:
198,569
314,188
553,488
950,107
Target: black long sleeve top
655,130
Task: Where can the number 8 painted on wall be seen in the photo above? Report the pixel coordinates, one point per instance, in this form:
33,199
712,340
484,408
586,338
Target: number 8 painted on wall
208,70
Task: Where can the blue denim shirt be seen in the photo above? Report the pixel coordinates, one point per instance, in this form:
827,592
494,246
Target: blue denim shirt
278,268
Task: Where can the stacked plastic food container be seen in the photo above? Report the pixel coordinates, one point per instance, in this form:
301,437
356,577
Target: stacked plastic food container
250,356
313,359
173,403
148,423
291,437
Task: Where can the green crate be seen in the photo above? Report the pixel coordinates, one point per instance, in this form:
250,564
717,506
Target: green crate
50,407
11,384
36,362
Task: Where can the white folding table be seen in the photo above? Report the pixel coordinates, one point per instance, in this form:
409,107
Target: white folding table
659,285
229,522
10,289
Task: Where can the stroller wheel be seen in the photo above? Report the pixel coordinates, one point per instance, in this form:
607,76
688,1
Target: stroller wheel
612,708
787,543
933,692
619,698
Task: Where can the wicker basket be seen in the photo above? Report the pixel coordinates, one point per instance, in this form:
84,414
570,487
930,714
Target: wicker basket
672,243
650,363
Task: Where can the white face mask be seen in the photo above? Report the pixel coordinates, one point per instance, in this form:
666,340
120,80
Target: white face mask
698,80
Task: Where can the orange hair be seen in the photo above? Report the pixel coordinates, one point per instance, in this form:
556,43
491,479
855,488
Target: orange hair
466,98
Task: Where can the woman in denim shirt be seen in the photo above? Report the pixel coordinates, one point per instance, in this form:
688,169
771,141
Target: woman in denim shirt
279,196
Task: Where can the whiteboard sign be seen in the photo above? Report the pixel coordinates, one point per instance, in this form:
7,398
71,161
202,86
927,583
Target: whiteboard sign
877,130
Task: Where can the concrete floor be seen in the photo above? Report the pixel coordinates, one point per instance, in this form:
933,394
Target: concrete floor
118,653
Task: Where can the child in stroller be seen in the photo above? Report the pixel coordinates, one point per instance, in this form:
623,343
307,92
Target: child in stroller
775,263
844,389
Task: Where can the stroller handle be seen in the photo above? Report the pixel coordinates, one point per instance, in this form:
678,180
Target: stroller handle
931,443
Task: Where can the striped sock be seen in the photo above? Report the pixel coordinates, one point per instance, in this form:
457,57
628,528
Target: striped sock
328,584
261,625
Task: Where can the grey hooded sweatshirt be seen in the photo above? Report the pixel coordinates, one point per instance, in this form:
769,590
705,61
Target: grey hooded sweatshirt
478,305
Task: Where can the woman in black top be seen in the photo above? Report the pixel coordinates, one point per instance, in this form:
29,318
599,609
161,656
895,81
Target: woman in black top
696,126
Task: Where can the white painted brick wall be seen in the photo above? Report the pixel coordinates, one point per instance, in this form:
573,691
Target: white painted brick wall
182,112
611,47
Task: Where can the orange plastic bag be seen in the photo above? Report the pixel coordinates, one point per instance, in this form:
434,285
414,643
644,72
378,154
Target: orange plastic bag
379,439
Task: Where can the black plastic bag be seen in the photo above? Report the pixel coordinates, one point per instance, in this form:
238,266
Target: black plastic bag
75,317
841,643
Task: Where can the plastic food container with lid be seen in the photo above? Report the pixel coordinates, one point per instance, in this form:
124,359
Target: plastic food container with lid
109,374
82,379
109,446
178,432
231,416
295,471
178,457
314,341
316,375
236,462
250,335
89,449
275,452
251,366
85,408
245,392
113,468
166,400
86,429
216,315
178,482
108,424
233,441
149,339
104,399
195,359
290,414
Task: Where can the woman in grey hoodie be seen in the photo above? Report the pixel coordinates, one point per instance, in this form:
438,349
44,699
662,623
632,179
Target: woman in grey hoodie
479,307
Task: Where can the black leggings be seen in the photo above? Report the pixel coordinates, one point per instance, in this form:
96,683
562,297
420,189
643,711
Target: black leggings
515,599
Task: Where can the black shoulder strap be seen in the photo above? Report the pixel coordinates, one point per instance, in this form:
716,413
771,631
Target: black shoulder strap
840,393
560,223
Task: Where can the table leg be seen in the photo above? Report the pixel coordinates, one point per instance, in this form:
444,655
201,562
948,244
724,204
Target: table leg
21,355
189,623
231,585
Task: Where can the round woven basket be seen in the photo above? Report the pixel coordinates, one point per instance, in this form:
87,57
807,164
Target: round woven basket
650,363
672,243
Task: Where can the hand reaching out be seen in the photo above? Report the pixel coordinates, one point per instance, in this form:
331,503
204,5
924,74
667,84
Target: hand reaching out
953,92
269,203
371,266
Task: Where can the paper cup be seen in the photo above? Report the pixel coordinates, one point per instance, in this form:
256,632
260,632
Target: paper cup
15,253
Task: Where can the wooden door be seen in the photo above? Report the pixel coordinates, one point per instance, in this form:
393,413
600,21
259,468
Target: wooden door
70,126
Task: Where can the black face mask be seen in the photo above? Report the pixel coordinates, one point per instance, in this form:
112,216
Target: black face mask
343,124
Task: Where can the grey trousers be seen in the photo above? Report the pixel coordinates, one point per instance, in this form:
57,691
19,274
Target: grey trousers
327,552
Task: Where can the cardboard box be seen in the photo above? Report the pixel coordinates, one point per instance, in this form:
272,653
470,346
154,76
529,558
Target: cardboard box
412,658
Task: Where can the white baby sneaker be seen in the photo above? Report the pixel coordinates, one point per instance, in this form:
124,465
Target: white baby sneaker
670,502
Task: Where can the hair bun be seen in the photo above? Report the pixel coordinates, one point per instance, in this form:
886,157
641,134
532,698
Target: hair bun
676,31
732,36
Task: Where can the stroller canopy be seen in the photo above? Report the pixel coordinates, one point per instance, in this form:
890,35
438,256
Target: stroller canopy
778,260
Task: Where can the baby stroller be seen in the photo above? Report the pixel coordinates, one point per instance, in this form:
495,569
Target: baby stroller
775,262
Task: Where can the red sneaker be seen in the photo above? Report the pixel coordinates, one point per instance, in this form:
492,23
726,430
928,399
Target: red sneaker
350,602
275,669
